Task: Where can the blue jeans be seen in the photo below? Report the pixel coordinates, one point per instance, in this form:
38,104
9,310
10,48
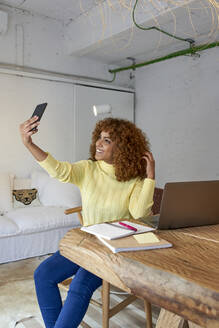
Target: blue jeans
49,273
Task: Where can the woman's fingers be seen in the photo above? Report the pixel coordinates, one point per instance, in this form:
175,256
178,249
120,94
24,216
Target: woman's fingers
31,132
28,128
31,120
150,169
148,156
31,123
28,125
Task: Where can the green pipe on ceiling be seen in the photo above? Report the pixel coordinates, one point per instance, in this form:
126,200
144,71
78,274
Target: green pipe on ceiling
191,50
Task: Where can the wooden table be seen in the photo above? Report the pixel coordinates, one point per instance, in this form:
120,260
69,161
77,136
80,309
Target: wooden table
183,279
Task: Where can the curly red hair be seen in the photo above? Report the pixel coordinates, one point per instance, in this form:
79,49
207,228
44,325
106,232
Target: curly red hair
130,145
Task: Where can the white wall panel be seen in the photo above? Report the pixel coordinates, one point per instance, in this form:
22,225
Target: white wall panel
19,96
177,106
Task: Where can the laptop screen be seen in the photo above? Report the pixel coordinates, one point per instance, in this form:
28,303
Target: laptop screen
188,204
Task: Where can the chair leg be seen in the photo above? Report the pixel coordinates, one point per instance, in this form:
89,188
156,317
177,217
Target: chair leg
105,303
84,325
147,307
107,313
184,324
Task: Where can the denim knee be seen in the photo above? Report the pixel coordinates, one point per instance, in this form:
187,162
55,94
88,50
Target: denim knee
85,285
81,289
41,273
38,275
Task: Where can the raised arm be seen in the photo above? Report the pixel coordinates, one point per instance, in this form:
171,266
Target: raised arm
63,171
141,200
26,136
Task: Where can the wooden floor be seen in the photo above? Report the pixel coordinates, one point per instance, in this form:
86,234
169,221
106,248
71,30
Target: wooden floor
133,316
18,300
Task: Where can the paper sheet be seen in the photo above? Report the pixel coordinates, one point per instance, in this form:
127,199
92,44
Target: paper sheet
148,237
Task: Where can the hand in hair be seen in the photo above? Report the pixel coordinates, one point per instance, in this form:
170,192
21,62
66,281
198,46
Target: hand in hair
150,168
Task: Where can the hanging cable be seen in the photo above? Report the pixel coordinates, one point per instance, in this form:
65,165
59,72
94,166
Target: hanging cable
190,41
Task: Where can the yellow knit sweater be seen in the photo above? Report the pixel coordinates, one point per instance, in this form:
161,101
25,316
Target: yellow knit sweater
103,197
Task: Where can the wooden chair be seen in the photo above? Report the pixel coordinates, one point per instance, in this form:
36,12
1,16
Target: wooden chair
158,194
108,312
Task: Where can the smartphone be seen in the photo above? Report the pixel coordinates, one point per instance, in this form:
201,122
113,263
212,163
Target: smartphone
39,110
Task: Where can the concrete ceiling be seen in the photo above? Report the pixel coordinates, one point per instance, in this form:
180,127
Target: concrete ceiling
63,10
107,32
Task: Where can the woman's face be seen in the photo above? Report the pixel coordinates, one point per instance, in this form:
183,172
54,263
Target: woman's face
104,148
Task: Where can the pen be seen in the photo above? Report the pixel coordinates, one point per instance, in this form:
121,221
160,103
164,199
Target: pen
128,226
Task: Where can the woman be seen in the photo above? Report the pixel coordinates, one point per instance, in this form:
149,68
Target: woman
117,182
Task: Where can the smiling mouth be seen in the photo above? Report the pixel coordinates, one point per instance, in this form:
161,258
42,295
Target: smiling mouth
99,151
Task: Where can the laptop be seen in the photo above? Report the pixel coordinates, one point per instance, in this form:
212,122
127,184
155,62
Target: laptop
187,204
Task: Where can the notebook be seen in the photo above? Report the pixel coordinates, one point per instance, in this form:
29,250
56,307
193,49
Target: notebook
187,204
130,243
114,230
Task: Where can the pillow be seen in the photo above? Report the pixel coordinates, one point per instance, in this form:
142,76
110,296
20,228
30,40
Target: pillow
21,183
56,193
11,177
5,193
39,180
25,198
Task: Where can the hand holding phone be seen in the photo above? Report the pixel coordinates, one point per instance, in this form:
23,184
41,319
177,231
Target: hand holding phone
29,128
39,110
